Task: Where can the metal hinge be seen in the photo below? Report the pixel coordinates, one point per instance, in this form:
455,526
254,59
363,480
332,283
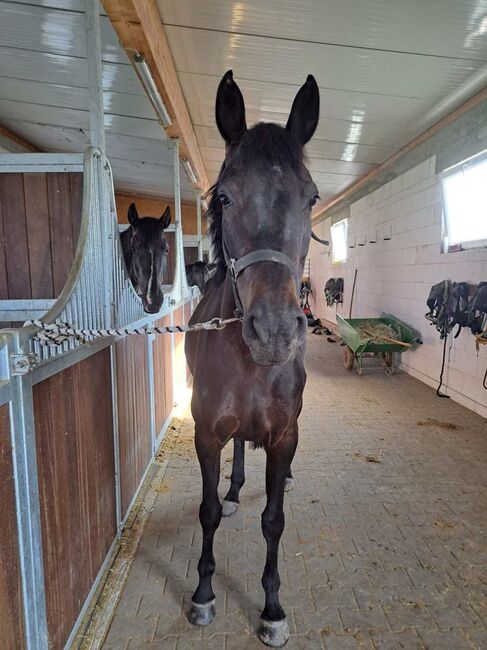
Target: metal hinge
21,364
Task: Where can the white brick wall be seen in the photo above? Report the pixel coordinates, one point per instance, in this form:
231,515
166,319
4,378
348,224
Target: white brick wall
395,276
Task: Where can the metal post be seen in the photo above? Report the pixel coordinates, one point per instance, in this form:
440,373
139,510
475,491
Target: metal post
93,55
174,144
27,501
198,225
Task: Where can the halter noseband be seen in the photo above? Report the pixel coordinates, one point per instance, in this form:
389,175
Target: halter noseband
236,266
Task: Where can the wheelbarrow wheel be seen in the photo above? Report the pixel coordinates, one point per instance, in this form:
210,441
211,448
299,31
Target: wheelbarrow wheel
348,357
388,359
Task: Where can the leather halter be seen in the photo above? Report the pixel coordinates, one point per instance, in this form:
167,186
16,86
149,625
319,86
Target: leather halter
236,266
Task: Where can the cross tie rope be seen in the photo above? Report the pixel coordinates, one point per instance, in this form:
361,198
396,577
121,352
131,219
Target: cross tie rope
58,333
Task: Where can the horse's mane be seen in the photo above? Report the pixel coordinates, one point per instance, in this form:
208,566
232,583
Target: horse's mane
267,145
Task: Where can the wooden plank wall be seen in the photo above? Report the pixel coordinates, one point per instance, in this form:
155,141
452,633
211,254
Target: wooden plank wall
133,414
40,217
75,455
11,625
148,206
187,311
180,318
163,388
190,254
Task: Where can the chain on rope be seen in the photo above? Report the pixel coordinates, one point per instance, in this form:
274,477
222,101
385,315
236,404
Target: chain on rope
58,333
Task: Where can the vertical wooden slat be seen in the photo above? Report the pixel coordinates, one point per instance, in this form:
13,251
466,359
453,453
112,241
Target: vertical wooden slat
15,232
59,196
74,438
76,188
133,415
38,235
3,260
11,625
168,369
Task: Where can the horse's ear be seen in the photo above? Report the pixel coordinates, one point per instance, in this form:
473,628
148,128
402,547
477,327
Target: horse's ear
165,220
230,110
305,111
133,215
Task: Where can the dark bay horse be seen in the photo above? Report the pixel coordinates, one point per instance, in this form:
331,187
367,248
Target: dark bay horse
145,251
249,378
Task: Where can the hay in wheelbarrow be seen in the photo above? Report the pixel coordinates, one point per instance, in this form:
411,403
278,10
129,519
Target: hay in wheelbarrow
379,332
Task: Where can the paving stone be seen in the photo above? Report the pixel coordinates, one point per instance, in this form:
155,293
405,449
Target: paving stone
445,640
375,556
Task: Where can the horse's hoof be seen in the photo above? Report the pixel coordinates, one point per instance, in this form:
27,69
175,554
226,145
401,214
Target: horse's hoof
289,484
274,633
202,614
229,508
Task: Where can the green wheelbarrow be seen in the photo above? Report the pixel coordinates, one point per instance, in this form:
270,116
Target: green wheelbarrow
381,337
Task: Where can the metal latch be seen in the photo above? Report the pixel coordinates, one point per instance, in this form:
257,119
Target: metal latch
23,363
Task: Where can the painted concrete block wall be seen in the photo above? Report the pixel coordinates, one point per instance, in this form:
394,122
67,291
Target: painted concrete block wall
395,276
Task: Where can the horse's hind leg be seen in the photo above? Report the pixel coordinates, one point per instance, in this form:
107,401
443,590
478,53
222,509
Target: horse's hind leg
231,500
203,602
274,629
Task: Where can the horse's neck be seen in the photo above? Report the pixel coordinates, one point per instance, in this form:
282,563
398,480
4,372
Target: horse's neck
218,298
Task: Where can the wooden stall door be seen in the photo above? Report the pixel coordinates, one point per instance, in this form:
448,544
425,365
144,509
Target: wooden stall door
134,423
75,456
11,610
40,217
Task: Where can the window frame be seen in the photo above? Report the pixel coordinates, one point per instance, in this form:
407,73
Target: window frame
448,247
334,225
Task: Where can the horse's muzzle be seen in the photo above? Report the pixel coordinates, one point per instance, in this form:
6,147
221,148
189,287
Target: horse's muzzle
273,338
153,305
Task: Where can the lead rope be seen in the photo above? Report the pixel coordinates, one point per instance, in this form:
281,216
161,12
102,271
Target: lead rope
58,333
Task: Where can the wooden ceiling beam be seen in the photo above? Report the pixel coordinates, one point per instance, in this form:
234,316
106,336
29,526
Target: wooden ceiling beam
139,27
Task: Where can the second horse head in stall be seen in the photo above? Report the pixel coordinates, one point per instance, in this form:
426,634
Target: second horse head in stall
145,250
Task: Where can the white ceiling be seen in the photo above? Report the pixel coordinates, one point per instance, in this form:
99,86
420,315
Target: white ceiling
44,96
382,67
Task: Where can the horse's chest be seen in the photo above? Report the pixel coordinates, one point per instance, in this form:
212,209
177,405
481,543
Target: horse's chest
255,408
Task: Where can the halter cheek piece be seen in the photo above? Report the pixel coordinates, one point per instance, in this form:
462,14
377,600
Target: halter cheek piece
262,255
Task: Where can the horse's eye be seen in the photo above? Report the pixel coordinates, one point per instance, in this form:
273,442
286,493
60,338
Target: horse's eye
313,200
224,200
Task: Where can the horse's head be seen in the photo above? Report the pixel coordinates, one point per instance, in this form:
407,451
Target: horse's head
261,204
148,256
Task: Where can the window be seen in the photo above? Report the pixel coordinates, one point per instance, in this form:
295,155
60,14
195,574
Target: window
465,204
339,241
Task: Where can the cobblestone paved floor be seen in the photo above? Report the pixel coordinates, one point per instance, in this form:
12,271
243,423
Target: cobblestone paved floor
389,554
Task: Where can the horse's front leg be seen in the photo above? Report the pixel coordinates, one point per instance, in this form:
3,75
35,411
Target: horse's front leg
289,484
274,629
203,603
231,500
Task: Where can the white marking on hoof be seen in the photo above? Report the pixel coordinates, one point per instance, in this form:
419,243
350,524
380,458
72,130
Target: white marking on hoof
202,614
229,508
274,633
289,484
